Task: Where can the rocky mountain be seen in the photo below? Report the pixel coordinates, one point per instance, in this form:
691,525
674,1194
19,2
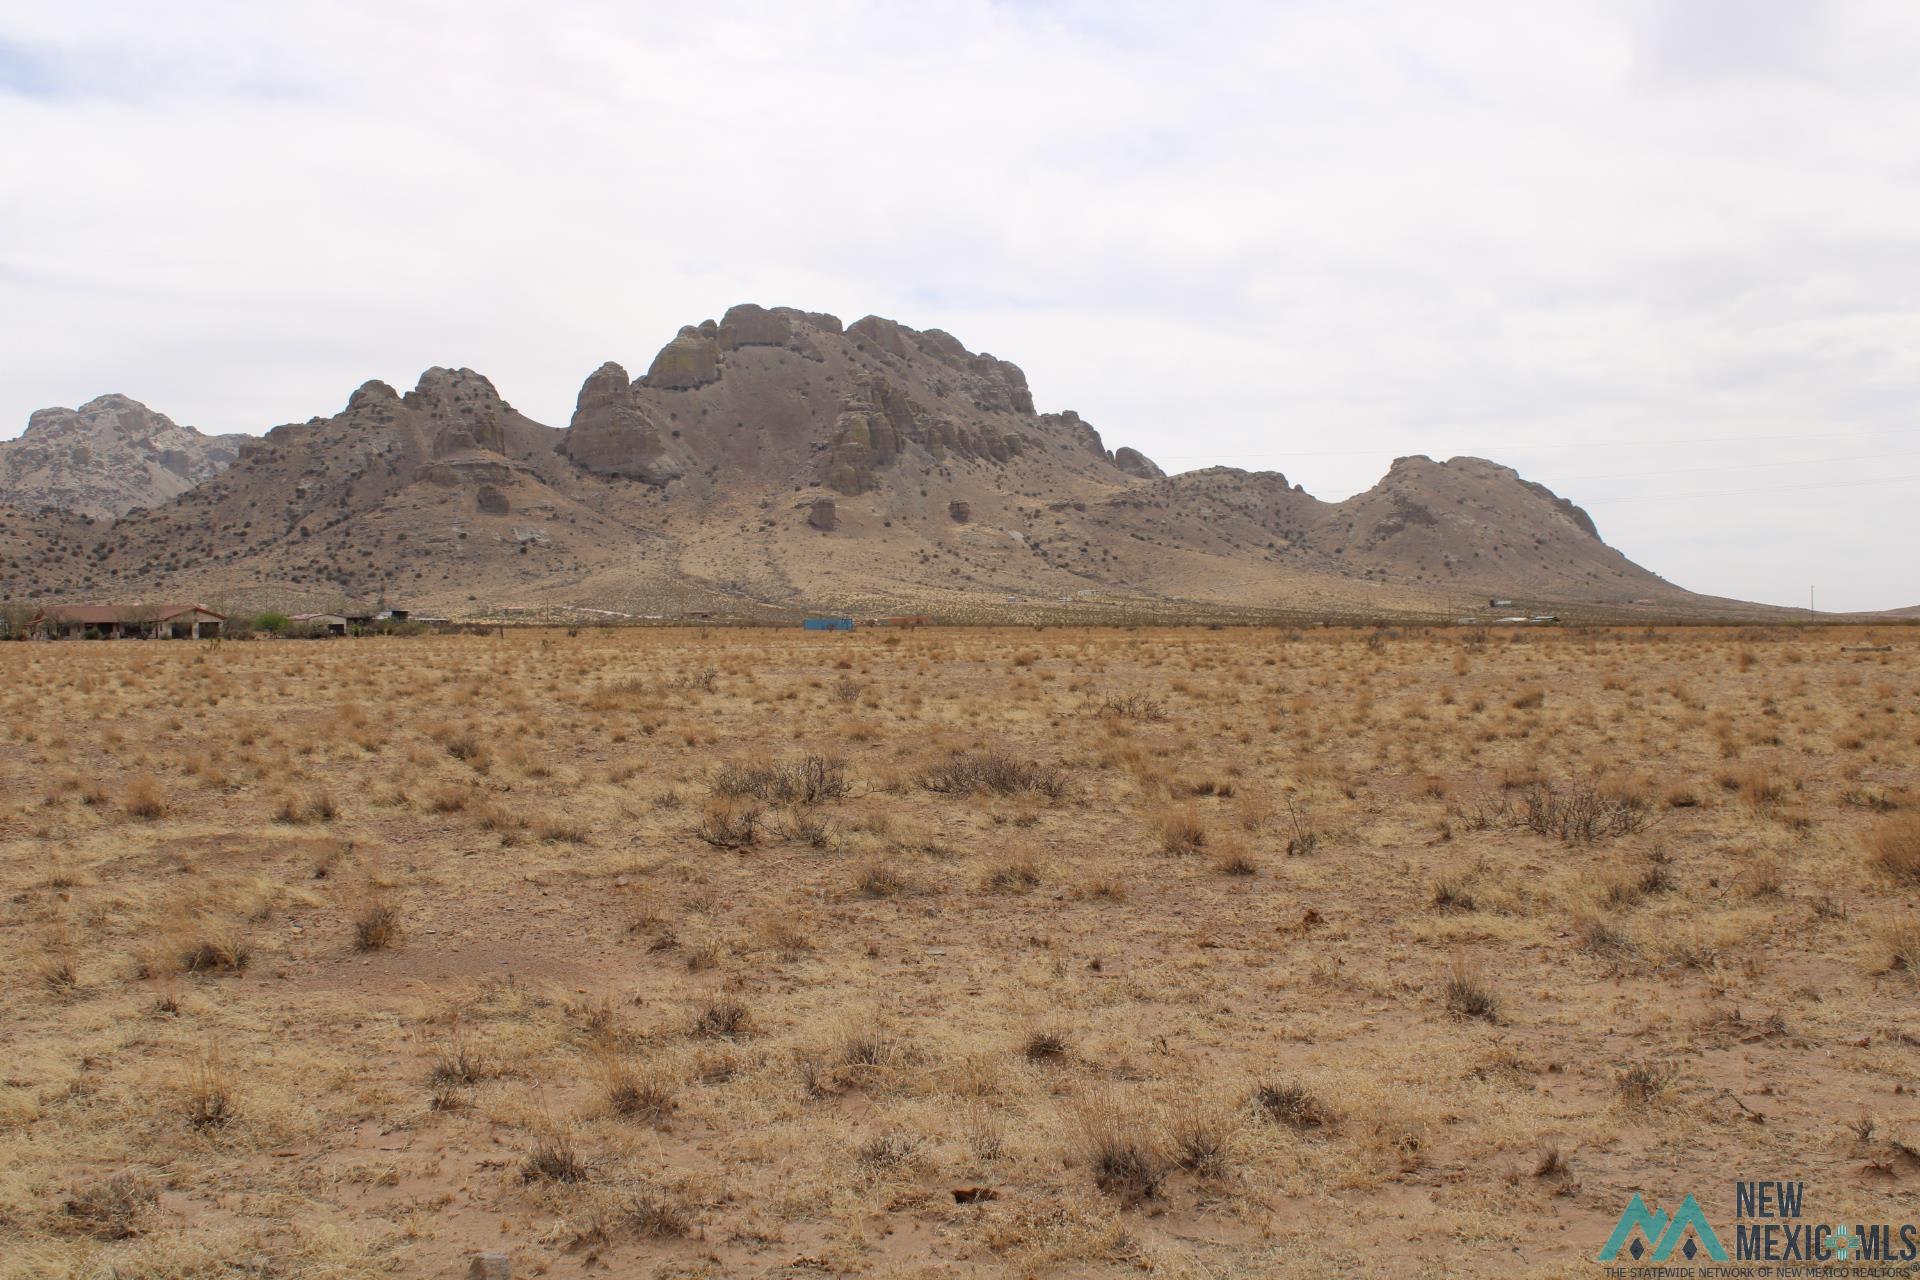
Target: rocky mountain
105,458
776,460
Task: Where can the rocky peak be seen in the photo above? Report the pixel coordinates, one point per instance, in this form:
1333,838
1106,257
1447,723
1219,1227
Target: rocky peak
463,408
105,458
1136,463
611,434
371,394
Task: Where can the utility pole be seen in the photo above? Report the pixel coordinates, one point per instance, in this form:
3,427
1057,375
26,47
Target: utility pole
1809,604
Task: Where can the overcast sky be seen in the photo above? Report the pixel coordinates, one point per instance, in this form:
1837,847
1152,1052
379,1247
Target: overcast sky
1663,257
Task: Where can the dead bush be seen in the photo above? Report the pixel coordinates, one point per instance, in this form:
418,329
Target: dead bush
653,1216
315,806
726,824
995,771
1580,813
1045,1044
114,1209
1131,706
216,947
810,779
377,926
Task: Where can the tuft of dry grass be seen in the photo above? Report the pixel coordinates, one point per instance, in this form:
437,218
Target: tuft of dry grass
1203,1139
1893,848
1179,830
296,808
1292,1105
721,1018
879,880
1013,875
1898,945
376,926
1046,1044
208,1100
1122,1147
1467,993
144,797
553,1159
1644,1083
213,947
115,1208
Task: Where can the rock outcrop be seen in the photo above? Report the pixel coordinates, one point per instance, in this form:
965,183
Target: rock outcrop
107,457
691,360
612,435
748,325
466,411
771,457
1136,463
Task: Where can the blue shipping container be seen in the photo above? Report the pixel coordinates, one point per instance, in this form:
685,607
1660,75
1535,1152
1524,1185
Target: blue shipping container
828,624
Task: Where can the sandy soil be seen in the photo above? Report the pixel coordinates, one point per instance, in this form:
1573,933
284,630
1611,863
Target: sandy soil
948,953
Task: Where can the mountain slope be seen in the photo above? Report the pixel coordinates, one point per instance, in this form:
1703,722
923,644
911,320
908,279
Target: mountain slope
105,458
776,460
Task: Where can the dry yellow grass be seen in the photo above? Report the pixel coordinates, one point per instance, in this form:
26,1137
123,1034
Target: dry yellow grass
946,953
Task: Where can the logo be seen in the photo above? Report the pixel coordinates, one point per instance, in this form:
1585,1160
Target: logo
1770,1228
1641,1228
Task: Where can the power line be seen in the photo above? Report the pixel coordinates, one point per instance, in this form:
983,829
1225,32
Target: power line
1729,493
1733,466
1564,444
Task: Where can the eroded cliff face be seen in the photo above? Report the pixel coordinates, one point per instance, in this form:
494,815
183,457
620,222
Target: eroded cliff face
107,457
776,458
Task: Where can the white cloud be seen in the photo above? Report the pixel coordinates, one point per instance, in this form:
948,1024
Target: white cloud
1521,229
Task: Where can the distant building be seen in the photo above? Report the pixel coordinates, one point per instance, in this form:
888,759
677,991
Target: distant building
127,622
334,623
827,624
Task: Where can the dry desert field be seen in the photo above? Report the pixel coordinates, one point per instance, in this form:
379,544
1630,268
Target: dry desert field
944,953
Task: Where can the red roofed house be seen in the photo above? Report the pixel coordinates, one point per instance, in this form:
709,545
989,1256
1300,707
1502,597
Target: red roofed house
128,621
